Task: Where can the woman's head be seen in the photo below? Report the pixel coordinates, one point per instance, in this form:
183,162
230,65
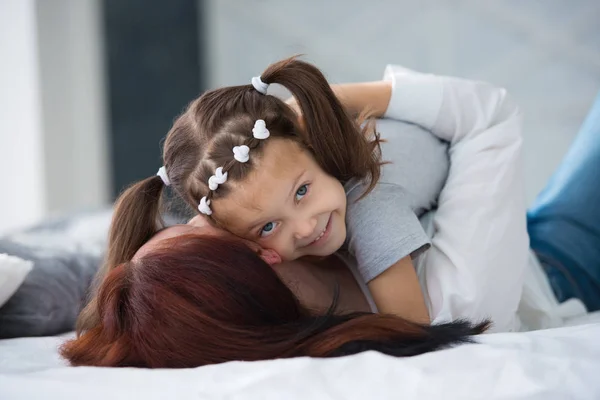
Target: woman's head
192,300
163,308
329,147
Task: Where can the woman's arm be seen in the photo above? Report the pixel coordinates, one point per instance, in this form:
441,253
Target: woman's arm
475,267
453,109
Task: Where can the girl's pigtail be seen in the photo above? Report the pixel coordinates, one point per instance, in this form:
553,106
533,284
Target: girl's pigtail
135,220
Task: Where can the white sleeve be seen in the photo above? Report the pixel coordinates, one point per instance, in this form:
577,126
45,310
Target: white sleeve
476,265
453,109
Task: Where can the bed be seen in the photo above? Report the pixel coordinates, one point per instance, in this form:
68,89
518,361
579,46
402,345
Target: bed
460,276
562,363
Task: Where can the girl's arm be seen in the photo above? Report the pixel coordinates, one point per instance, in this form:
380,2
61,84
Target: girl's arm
476,266
373,97
370,96
397,291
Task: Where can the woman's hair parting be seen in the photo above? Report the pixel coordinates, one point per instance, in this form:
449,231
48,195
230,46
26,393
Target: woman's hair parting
204,147
197,300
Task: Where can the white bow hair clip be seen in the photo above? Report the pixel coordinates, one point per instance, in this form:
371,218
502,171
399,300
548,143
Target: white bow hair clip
260,130
241,153
204,206
217,179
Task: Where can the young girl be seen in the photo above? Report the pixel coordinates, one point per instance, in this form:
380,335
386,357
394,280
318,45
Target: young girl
244,161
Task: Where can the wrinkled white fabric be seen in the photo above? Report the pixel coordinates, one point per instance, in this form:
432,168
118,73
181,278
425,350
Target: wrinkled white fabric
479,265
476,266
550,364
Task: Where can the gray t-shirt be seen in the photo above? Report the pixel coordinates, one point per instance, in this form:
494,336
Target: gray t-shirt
384,226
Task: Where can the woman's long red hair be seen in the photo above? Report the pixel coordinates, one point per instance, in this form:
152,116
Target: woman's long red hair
198,300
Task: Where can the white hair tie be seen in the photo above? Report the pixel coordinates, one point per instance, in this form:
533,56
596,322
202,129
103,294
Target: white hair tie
259,85
241,153
204,206
162,172
260,130
217,179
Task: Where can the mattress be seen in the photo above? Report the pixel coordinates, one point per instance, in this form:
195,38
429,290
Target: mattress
562,363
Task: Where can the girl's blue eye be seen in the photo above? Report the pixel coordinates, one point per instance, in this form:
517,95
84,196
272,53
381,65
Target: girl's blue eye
268,229
301,192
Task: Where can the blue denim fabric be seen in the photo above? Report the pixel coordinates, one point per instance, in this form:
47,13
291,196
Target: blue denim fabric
564,222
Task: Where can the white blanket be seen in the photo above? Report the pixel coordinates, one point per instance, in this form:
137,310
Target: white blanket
552,364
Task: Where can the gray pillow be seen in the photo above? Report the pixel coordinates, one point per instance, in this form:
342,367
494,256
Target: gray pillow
66,253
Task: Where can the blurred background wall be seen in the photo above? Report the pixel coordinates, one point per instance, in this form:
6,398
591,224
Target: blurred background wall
52,109
89,87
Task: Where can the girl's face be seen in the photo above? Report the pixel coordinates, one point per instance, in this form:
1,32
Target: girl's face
287,203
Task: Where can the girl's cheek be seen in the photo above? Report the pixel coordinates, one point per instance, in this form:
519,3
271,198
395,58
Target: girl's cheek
282,248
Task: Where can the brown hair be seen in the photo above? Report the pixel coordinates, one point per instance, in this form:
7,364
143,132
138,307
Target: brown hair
202,139
197,300
135,220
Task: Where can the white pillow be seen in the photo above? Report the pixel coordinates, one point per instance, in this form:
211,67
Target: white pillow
13,271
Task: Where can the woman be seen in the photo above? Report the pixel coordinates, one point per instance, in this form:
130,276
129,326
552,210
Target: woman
194,296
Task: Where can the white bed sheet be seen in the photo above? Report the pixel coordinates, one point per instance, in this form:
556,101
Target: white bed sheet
560,363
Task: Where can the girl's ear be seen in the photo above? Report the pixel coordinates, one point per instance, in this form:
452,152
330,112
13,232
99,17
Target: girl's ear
269,256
